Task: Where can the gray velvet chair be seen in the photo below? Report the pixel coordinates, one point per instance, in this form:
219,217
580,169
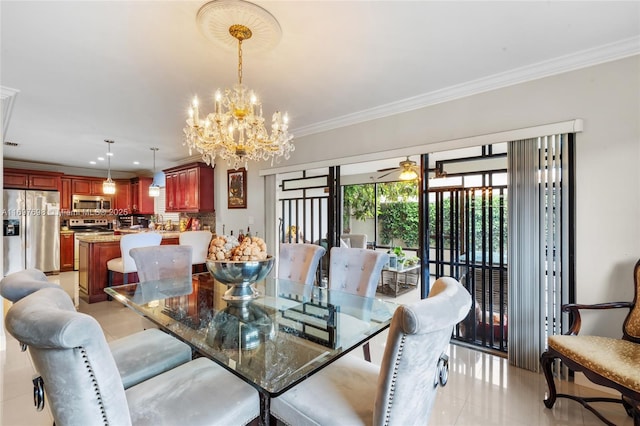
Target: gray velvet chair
413,365
138,356
160,262
299,262
83,387
125,264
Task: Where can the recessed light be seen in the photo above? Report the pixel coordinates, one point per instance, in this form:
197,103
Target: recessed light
110,154
136,162
92,162
100,158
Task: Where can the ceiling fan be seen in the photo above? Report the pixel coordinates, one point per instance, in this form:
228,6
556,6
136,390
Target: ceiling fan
408,170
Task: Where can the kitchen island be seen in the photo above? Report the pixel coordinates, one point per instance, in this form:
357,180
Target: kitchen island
95,252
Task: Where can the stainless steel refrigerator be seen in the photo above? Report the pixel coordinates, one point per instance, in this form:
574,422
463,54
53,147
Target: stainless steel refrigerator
31,230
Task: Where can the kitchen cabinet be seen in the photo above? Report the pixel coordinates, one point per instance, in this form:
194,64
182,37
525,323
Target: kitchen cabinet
31,179
66,251
122,198
141,203
87,186
189,188
65,194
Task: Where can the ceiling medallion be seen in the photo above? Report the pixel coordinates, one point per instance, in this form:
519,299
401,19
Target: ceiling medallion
235,131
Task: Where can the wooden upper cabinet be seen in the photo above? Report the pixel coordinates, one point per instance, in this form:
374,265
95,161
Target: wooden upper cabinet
141,203
122,199
31,179
86,186
189,188
65,194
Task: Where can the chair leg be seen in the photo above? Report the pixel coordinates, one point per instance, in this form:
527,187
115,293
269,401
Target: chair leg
366,351
546,360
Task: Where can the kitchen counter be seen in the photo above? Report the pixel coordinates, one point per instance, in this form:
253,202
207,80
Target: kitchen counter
95,252
116,238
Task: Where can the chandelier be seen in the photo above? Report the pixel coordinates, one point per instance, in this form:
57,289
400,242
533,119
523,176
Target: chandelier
236,130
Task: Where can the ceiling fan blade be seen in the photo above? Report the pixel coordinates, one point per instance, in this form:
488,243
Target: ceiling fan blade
387,174
388,169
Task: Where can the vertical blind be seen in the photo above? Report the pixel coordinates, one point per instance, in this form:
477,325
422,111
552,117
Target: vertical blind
538,201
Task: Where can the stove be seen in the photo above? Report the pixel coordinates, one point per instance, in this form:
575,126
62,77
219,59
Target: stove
83,228
89,225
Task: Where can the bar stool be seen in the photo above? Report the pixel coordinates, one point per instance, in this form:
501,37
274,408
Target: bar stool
199,242
125,264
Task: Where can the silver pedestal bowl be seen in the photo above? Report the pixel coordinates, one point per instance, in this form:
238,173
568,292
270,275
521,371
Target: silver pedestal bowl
239,276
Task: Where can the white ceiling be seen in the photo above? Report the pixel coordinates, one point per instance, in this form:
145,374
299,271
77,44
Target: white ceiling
126,70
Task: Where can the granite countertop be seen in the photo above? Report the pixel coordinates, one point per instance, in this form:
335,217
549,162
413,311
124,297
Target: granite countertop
113,238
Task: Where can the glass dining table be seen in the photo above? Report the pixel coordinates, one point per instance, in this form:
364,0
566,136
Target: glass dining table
273,341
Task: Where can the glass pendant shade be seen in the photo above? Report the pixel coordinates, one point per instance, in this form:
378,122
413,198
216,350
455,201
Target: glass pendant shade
409,174
154,189
109,186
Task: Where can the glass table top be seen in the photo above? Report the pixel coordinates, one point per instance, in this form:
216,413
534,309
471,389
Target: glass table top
274,340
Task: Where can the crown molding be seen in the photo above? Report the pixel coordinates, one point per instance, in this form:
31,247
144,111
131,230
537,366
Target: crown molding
583,59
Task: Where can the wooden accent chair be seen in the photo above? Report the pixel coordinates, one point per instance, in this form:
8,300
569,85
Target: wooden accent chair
610,362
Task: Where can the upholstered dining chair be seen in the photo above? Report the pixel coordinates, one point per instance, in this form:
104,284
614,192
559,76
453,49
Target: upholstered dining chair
356,271
414,363
199,241
160,262
138,356
299,262
82,385
125,264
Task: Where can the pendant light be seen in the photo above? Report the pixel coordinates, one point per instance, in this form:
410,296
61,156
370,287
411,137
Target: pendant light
154,189
109,186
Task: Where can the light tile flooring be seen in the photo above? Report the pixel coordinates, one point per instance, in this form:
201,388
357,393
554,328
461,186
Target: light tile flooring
483,389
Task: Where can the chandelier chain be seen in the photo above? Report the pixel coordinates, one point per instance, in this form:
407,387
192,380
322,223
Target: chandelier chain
239,61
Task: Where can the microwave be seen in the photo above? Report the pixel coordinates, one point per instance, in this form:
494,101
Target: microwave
82,203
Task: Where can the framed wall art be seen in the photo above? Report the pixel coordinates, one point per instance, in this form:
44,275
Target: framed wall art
237,188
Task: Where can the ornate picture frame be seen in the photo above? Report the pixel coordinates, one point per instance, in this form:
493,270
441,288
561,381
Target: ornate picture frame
237,188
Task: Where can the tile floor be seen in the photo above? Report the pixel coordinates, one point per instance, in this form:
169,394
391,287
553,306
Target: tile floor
483,389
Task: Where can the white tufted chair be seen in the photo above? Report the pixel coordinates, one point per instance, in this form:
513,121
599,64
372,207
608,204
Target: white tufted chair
199,241
138,356
356,271
413,365
82,383
125,264
299,262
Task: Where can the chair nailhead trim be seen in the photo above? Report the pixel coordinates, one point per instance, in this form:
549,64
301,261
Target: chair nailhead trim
394,378
96,389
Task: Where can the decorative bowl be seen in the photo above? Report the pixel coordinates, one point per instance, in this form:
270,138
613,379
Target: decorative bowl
239,275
